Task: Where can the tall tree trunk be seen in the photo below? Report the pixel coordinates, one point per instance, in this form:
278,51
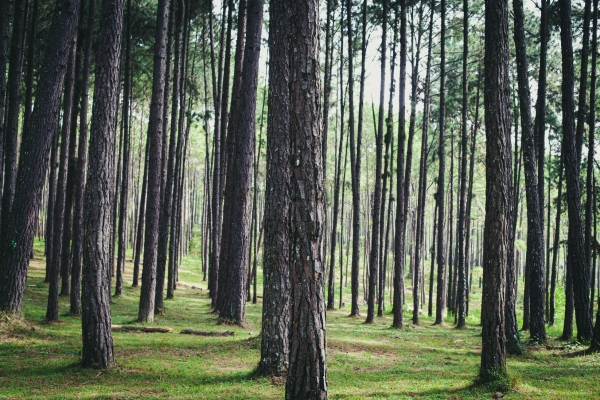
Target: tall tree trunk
124,202
13,105
232,299
376,212
499,193
5,22
576,250
441,267
77,248
17,240
167,195
307,371
140,220
461,292
95,319
59,206
50,206
423,167
535,231
274,353
146,309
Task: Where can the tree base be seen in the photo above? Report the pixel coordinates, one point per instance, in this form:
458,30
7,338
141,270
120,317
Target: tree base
494,381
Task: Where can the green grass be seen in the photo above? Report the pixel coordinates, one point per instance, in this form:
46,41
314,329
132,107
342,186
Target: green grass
39,360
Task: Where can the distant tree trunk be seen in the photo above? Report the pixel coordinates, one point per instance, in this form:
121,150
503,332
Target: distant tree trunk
140,221
441,267
583,81
50,207
232,299
124,202
555,247
376,212
146,309
95,319
535,229
167,195
307,371
576,250
59,206
499,193
274,353
31,42
17,237
355,152
461,292
77,248
13,105
431,271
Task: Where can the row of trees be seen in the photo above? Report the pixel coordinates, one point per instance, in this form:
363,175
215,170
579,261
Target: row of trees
199,173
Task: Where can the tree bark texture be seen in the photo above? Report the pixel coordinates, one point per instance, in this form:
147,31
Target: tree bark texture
307,371
95,317
576,260
17,237
155,132
274,356
499,196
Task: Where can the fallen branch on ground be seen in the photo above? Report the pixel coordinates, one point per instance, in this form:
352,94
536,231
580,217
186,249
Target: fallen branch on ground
145,329
207,333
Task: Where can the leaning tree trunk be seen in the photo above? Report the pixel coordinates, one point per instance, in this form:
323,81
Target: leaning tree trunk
17,238
13,107
498,209
155,132
274,353
576,260
95,317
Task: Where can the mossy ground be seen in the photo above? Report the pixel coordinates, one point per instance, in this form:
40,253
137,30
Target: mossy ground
39,360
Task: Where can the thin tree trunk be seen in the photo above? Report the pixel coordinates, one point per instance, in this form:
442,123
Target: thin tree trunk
576,252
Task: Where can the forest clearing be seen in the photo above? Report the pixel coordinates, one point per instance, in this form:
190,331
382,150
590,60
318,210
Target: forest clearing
365,361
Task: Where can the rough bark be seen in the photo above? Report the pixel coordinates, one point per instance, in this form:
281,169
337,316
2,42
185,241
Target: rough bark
274,354
155,132
5,21
498,207
95,317
17,238
535,236
307,371
576,261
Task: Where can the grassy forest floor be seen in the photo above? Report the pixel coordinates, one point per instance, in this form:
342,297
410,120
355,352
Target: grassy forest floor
39,360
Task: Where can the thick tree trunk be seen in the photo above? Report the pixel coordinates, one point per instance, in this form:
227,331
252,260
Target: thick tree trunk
5,22
155,132
95,319
576,251
232,299
498,215
307,371
274,354
17,237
